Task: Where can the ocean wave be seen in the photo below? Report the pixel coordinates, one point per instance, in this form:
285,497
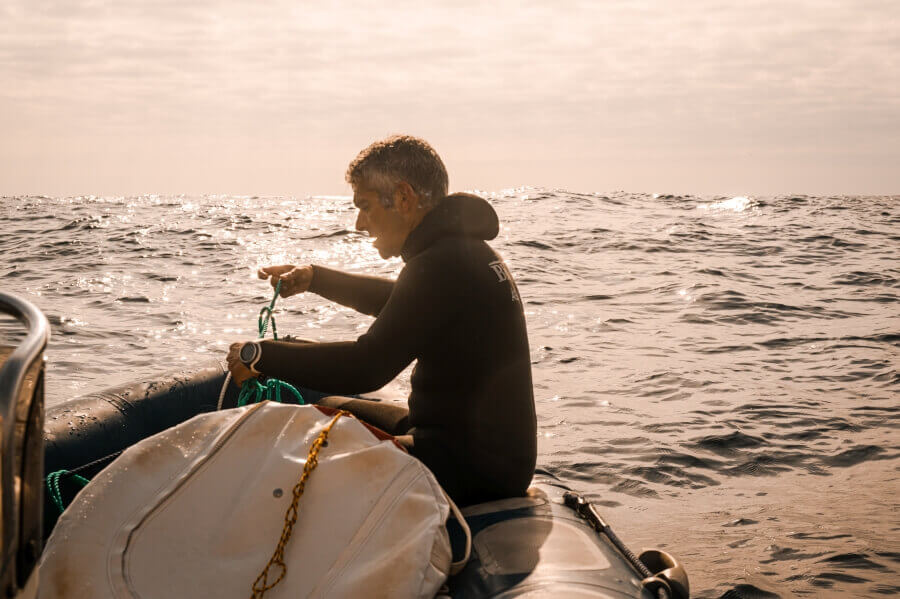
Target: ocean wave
701,351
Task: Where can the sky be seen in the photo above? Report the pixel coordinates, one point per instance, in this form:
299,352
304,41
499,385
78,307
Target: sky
762,97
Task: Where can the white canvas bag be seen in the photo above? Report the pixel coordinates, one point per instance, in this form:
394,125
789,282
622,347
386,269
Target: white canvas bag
197,511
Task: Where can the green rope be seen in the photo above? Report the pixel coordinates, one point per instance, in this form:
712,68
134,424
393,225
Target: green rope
265,315
53,486
253,391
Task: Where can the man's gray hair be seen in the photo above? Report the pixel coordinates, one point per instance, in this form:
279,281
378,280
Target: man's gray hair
387,162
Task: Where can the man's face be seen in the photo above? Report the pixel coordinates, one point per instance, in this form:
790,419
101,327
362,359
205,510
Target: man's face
386,226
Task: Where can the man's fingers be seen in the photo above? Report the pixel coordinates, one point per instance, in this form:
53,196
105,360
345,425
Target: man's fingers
266,272
294,279
273,271
239,372
288,282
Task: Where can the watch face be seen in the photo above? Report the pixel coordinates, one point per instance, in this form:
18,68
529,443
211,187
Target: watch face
248,352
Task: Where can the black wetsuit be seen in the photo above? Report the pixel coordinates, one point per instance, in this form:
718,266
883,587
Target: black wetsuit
456,310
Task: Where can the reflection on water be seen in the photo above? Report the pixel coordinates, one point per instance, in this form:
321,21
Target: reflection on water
719,373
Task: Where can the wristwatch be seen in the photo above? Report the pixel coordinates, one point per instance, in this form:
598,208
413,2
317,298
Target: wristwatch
250,355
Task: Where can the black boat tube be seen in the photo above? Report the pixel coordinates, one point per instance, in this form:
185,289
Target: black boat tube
83,435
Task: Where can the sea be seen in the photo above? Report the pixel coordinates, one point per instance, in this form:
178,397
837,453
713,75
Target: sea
720,375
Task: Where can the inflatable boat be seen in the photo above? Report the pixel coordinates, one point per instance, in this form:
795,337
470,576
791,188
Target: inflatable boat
550,543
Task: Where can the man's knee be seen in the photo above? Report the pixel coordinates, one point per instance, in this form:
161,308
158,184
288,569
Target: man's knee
407,442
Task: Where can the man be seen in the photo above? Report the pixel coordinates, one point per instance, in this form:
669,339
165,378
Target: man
454,308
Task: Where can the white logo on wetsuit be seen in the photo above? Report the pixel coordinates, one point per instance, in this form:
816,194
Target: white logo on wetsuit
500,269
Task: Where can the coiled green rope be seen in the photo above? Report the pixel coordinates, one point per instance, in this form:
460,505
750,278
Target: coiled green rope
253,391
53,486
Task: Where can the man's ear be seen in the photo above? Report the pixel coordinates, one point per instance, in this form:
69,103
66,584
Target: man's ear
406,199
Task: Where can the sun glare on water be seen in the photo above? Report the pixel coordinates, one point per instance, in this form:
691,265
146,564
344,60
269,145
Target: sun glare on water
736,204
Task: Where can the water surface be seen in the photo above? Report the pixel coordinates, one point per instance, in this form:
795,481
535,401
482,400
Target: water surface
719,374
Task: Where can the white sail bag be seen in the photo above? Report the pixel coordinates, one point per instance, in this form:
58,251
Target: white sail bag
198,511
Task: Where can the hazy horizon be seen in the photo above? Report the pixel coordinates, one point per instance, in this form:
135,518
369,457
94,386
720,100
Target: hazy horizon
122,98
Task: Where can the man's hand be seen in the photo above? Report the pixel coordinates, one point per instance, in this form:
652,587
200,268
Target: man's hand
239,372
294,279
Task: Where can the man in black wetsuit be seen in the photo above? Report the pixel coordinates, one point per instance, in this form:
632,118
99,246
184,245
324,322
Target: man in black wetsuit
454,308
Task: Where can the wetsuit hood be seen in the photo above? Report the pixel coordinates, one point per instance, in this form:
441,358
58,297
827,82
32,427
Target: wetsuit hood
457,215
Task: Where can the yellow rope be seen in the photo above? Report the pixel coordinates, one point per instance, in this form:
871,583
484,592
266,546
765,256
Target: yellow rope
261,585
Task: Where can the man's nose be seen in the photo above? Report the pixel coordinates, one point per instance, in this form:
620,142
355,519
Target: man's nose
361,223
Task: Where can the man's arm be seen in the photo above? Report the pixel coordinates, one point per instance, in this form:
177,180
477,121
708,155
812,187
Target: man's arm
363,293
419,306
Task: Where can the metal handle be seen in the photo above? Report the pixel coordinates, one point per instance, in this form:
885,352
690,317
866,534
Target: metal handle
22,447
661,574
14,370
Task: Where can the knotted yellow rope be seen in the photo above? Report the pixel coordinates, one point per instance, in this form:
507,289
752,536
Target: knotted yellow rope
261,585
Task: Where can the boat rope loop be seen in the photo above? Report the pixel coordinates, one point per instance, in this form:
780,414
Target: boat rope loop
262,584
53,486
253,391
